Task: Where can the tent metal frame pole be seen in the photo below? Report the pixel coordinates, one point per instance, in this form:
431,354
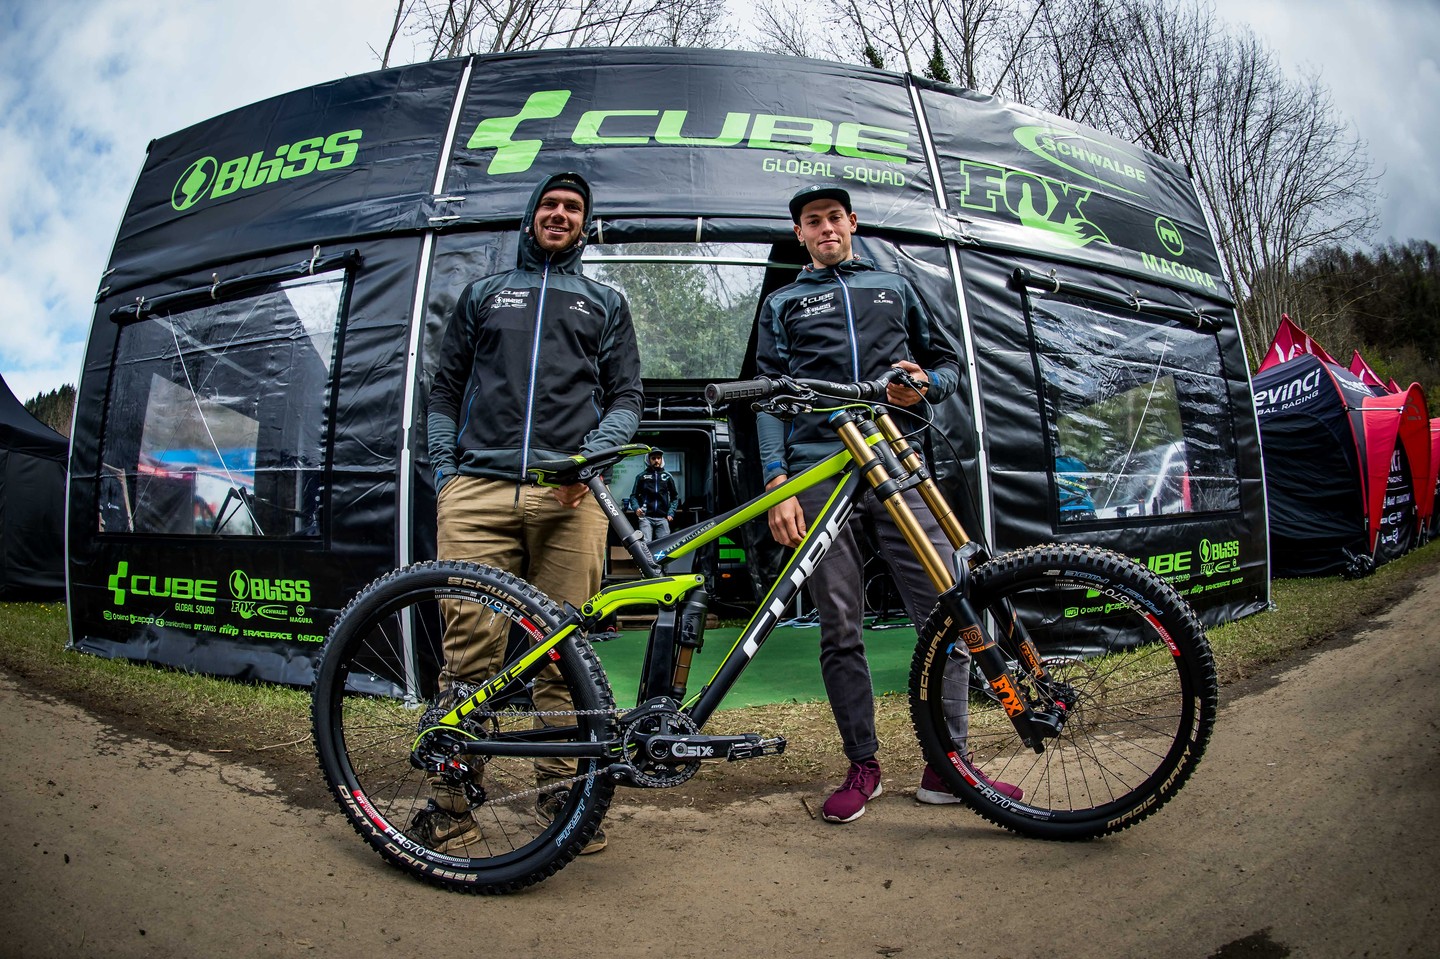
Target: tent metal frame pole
404,483
952,250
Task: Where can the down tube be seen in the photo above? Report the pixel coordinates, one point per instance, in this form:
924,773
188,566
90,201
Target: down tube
822,533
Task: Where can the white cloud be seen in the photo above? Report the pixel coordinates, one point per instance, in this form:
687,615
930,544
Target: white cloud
84,86
1379,61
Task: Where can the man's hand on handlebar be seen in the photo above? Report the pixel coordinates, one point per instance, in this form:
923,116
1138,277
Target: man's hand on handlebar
900,393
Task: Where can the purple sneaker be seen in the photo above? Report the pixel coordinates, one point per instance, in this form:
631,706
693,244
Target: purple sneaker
934,792
847,803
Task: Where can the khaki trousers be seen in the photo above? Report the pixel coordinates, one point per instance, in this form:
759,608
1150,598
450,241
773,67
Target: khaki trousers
525,531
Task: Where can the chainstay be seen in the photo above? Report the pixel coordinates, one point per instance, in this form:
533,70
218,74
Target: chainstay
554,783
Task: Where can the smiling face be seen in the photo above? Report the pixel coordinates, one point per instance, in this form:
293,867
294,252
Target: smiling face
825,229
559,218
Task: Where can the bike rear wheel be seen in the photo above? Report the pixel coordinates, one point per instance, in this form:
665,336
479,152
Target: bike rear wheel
1131,656
377,688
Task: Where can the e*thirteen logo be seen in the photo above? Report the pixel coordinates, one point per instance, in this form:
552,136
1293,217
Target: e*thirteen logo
208,177
763,131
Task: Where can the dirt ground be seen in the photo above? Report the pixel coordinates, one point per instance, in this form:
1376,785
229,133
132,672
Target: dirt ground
1309,830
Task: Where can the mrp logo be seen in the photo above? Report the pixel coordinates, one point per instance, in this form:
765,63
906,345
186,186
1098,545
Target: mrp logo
608,127
122,585
1078,154
208,178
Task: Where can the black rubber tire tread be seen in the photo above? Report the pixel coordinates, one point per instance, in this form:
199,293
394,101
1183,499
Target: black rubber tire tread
1078,763
423,583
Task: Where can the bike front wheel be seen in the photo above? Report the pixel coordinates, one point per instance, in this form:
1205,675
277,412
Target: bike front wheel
1128,657
377,689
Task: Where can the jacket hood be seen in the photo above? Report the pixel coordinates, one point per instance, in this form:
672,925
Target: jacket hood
531,255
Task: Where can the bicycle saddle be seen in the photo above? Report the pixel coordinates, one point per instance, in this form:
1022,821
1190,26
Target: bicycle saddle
580,467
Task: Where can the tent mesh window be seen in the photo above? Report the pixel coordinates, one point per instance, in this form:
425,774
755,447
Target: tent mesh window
1135,408
693,304
218,415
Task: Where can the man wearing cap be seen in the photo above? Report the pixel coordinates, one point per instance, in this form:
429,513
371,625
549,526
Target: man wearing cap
655,497
845,321
537,363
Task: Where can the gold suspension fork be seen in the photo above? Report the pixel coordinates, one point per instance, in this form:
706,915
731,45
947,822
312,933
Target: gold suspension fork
877,464
886,487
1006,620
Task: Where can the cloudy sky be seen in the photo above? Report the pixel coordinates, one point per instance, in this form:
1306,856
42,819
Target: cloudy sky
86,84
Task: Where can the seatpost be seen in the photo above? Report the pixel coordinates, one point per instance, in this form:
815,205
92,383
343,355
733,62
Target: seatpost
628,535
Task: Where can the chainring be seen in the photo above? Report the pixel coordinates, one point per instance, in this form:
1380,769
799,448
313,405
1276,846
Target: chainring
652,773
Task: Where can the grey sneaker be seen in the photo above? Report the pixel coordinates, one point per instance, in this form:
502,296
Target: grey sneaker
444,831
551,804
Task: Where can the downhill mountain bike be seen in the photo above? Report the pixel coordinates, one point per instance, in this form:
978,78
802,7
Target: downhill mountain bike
1096,743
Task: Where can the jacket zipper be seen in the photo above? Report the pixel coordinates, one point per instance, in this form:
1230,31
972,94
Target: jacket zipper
534,363
849,326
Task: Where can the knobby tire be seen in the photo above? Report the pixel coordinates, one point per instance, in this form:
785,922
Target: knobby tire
1145,708
377,677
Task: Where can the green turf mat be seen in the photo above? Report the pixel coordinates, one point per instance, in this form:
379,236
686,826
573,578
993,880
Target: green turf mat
786,669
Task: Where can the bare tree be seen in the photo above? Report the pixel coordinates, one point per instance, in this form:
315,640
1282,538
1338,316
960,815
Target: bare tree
451,28
1279,172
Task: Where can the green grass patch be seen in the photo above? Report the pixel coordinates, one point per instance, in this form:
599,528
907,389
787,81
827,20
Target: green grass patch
780,692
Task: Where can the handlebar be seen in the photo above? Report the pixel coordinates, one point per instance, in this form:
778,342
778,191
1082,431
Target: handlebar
764,387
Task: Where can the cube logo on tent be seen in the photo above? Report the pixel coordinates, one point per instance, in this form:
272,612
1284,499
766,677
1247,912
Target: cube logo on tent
207,177
121,584
760,131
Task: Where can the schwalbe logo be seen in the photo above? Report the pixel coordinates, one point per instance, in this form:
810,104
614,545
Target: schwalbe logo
207,178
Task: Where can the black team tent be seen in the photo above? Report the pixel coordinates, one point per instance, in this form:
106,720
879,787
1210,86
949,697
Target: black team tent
32,504
249,447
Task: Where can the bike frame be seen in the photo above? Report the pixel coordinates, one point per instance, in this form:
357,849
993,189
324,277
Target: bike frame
874,449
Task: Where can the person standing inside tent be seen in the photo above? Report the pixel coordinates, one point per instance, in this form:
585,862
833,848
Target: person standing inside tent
537,363
843,320
655,497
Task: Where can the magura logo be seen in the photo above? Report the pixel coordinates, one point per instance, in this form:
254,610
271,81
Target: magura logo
1169,236
631,127
123,585
1055,208
209,178
1076,153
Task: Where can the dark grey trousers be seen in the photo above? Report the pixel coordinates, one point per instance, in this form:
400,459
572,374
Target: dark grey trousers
837,589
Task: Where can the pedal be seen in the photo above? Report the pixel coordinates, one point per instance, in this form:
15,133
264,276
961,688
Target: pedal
752,748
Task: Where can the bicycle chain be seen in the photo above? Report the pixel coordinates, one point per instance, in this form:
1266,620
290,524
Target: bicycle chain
552,784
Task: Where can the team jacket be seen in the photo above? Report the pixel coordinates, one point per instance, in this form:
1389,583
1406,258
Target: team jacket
536,363
845,324
655,492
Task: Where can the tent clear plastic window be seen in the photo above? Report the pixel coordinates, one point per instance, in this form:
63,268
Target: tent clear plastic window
1137,416
218,416
693,304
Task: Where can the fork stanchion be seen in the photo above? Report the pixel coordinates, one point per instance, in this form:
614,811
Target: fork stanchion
869,465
